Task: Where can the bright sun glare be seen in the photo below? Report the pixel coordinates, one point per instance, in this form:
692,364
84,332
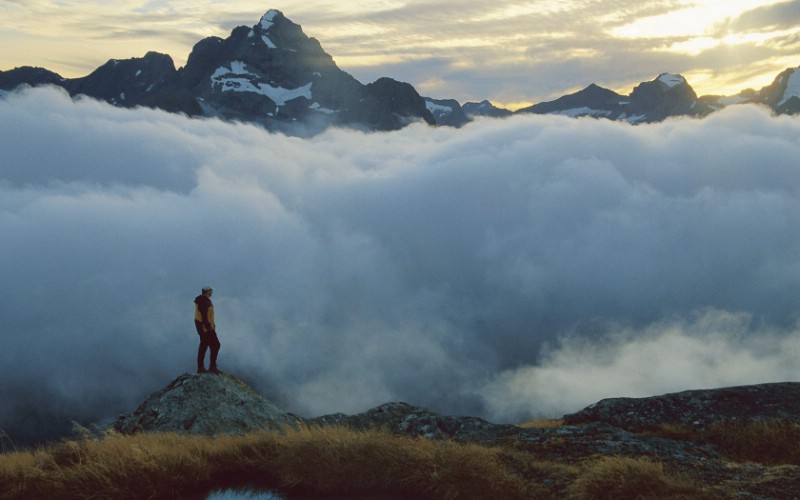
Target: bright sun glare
696,19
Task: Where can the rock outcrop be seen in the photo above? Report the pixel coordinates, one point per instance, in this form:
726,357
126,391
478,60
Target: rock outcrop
206,404
415,421
697,409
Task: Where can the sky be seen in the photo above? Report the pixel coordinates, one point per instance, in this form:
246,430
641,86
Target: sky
511,269
512,52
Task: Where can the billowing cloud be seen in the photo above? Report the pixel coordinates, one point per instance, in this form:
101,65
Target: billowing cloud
501,269
710,349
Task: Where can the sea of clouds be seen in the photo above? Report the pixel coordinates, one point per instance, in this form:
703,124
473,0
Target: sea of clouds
511,269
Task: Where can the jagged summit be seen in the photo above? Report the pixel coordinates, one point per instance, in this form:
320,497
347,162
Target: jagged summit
268,19
270,73
670,80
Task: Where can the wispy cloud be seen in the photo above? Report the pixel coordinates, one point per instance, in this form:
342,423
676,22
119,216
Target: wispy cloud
765,18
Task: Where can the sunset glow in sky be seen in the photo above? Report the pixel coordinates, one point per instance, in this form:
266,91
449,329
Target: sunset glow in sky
511,52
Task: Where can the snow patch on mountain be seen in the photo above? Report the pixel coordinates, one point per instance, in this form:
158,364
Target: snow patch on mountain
633,120
792,88
268,19
281,95
583,111
671,80
235,68
318,107
237,78
269,43
433,107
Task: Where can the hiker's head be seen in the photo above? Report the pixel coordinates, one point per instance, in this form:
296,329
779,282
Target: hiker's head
207,291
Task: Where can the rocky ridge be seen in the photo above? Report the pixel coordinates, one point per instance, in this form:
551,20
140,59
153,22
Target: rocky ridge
698,409
223,404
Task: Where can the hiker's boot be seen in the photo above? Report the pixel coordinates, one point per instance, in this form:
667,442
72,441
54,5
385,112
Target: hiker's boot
201,369
214,369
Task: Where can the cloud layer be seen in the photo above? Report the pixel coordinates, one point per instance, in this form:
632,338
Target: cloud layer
509,269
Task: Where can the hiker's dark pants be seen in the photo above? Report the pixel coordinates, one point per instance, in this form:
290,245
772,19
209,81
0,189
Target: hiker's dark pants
208,340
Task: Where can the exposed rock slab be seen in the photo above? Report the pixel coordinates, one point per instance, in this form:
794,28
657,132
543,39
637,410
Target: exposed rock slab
696,408
207,404
416,421
596,438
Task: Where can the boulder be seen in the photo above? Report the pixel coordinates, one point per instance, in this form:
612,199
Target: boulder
208,404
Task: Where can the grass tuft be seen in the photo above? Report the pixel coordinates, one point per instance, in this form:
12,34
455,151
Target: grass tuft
549,423
768,442
619,477
771,442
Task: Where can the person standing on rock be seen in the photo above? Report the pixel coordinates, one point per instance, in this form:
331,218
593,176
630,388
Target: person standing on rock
206,329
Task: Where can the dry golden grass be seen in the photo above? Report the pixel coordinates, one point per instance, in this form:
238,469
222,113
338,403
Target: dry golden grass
773,442
548,423
315,461
616,477
769,442
336,461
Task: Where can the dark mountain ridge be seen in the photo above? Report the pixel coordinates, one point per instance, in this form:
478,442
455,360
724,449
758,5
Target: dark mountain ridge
271,74
274,75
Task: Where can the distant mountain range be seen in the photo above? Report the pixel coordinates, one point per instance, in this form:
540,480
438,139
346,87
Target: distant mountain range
274,75
666,96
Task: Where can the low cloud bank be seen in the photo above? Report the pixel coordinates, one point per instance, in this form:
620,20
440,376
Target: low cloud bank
508,269
712,349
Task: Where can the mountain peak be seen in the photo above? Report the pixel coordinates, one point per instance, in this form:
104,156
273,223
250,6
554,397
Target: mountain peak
268,19
671,80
